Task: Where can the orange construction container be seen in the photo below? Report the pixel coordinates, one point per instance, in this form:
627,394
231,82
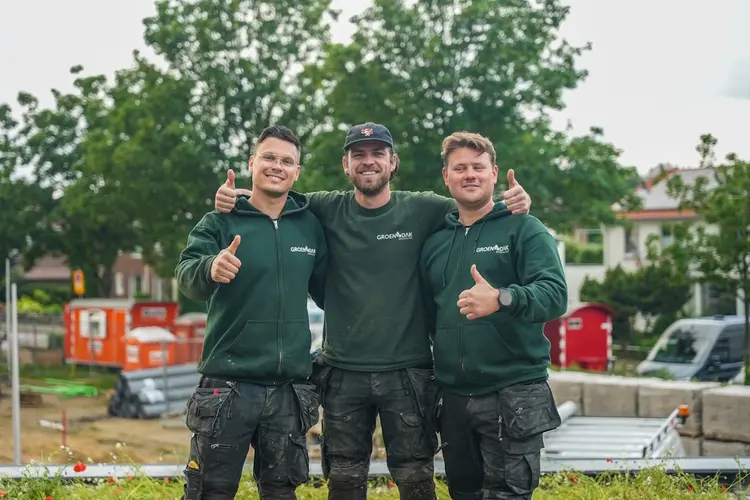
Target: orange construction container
149,347
190,330
95,328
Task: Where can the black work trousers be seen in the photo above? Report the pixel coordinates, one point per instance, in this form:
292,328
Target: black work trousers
492,443
227,417
352,401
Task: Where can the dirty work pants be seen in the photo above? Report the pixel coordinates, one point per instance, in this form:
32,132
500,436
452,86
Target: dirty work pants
227,417
492,443
351,402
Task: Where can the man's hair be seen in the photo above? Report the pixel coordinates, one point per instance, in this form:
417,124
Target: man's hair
470,140
277,132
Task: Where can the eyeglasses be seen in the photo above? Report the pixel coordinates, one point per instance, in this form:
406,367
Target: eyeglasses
286,161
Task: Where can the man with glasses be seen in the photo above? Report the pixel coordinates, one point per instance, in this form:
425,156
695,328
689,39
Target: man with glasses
376,358
255,267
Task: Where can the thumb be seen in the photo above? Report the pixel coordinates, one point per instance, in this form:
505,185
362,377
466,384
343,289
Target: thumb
512,179
232,248
230,179
475,274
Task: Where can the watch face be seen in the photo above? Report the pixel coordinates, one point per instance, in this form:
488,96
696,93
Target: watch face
505,298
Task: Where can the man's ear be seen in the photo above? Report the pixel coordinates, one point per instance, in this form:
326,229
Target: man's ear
345,164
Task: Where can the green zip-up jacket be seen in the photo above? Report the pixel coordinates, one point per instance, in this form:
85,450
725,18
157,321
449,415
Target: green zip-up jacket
480,356
258,329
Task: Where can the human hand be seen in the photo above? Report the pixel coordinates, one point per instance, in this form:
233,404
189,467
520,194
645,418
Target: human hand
226,265
480,300
226,195
516,198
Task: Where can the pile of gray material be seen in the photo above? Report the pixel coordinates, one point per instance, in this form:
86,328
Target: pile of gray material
153,392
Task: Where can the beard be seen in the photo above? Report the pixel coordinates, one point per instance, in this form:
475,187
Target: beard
373,187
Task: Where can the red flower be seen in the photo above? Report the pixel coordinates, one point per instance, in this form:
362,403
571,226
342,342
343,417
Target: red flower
690,487
48,497
2,494
609,460
79,467
391,485
111,479
572,478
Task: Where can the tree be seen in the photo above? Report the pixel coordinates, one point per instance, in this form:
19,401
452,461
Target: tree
85,218
658,291
256,63
154,155
720,242
427,69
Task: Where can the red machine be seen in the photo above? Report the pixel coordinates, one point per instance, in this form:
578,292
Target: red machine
96,329
582,337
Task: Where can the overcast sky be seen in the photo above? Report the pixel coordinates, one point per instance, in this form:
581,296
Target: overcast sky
662,72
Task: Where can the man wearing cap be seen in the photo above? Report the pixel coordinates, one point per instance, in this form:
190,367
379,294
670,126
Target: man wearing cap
376,358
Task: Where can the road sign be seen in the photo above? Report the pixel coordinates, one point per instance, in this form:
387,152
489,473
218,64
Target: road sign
79,286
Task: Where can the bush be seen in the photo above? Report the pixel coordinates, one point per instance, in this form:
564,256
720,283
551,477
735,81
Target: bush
582,253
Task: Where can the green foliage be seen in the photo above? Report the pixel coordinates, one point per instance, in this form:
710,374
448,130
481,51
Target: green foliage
583,253
133,162
717,248
427,69
651,483
47,294
658,289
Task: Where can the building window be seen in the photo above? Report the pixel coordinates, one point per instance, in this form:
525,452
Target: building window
631,236
667,237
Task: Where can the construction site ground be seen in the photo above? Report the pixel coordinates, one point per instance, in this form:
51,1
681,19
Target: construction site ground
93,436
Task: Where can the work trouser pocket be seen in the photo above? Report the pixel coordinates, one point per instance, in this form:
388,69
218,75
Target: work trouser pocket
208,409
308,402
526,413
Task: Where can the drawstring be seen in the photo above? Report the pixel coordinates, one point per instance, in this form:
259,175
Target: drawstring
447,260
476,238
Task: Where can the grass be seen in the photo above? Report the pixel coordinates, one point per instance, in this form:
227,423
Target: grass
101,378
652,483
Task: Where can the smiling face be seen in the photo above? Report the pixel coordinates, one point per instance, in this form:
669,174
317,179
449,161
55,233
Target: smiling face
369,165
469,170
274,166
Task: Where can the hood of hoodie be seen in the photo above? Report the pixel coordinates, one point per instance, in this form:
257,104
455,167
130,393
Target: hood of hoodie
295,202
500,209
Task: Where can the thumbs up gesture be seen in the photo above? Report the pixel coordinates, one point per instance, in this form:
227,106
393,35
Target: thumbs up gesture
227,193
226,265
480,300
516,198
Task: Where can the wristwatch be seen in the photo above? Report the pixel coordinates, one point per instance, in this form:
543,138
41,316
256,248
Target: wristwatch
505,298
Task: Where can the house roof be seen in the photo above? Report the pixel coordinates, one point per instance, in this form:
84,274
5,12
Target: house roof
656,202
657,198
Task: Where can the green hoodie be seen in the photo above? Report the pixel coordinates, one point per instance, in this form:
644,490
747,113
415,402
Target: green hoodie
258,329
475,357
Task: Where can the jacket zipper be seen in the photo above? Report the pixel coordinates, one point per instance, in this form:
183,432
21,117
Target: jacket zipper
460,318
279,274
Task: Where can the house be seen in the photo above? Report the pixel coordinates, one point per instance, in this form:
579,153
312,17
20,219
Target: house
628,247
131,277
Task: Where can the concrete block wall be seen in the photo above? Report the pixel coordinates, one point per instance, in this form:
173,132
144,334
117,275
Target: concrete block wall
719,422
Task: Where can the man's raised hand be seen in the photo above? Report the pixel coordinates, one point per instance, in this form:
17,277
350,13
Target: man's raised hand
226,265
480,300
227,193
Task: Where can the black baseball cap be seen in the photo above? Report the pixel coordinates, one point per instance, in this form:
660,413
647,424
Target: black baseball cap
368,132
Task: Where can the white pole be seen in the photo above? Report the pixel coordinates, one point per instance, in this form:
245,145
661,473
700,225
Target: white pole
16,379
7,311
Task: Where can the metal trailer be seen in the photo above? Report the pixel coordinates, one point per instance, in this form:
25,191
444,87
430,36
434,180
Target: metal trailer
614,438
